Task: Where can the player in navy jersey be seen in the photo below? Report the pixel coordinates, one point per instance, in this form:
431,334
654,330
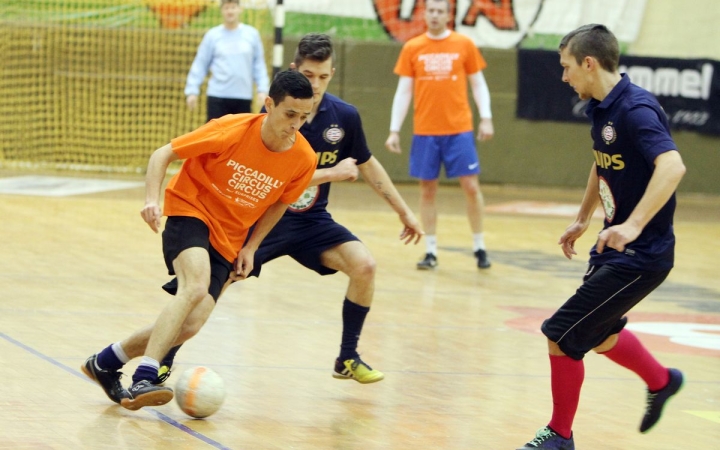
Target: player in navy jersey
307,231
634,175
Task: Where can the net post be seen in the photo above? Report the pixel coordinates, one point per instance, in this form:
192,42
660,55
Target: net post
278,43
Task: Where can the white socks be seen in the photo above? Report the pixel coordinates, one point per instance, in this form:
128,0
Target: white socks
431,244
478,242
120,353
148,361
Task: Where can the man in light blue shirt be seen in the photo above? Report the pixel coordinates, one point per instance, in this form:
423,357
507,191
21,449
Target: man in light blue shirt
234,55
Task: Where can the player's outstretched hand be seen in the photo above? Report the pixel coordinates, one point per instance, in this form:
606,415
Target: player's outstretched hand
412,231
151,214
571,234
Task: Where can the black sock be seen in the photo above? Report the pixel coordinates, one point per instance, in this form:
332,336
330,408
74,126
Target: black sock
353,319
170,356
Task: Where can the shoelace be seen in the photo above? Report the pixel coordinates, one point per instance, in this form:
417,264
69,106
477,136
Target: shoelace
116,384
650,400
540,438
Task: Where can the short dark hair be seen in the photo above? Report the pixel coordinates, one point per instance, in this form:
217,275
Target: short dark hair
596,41
292,83
315,47
222,2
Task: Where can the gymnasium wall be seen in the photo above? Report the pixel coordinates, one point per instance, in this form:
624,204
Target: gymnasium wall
522,152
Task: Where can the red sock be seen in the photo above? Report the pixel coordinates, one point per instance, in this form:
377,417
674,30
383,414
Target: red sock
566,379
629,352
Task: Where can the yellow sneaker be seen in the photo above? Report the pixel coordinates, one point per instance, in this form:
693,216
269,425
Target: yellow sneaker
356,369
163,374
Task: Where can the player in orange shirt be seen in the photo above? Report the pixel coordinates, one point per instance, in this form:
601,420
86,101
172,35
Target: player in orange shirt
239,170
437,66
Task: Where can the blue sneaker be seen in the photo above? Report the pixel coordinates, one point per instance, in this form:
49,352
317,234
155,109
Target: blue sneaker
548,439
656,400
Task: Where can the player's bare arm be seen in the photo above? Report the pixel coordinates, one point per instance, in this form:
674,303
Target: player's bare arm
376,176
590,201
157,167
669,170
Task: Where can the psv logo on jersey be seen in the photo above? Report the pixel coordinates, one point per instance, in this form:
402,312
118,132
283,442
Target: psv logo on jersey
608,133
334,134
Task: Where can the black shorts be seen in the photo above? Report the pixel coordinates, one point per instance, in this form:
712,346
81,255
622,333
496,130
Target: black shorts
218,107
181,233
598,308
303,237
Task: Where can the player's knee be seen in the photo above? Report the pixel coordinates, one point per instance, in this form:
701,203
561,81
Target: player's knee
428,191
607,345
427,195
471,189
193,293
364,268
563,342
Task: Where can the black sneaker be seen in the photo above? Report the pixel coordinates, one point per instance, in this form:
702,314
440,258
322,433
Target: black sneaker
548,439
428,263
109,380
482,260
144,393
656,400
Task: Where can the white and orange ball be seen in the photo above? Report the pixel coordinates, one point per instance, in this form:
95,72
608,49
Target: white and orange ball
199,392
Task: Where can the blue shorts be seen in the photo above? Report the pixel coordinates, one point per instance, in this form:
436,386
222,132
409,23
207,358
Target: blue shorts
303,237
598,308
456,152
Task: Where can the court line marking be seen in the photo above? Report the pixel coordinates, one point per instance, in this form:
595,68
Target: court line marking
152,411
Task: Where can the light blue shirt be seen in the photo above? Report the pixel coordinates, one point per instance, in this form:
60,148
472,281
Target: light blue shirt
235,59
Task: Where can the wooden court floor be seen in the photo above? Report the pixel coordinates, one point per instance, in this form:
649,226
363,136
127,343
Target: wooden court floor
465,364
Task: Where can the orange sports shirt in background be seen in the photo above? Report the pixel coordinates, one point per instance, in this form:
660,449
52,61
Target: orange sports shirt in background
440,68
229,178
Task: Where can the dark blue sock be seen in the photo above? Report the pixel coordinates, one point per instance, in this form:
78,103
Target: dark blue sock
353,319
144,372
170,356
108,360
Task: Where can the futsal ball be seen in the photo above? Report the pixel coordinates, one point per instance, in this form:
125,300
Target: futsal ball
199,392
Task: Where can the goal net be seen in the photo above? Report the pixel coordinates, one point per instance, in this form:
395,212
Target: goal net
98,84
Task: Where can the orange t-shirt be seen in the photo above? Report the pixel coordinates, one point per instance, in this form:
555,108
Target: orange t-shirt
440,68
229,178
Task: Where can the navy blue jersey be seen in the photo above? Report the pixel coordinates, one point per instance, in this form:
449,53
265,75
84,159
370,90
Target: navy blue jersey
335,133
629,130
